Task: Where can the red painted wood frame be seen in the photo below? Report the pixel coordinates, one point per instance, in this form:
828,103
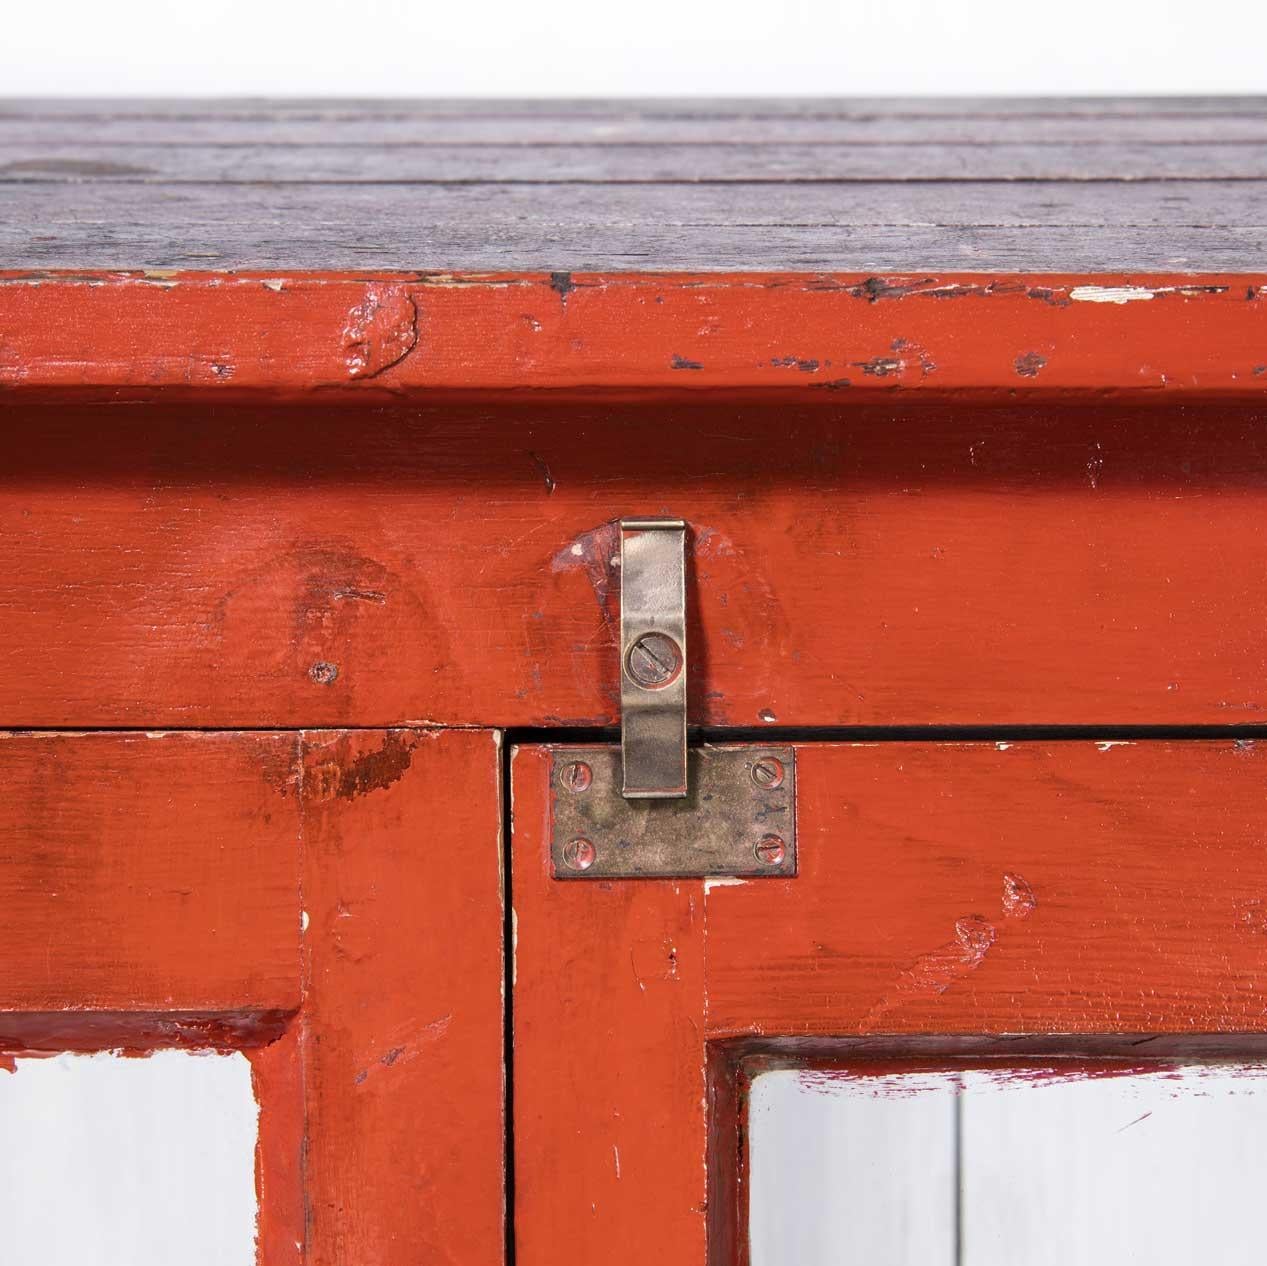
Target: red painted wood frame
1068,892
279,893
263,532
338,509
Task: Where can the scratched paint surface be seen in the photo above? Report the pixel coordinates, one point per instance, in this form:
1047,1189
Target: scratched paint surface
128,1162
861,334
1075,896
453,561
1011,1166
1004,888
277,895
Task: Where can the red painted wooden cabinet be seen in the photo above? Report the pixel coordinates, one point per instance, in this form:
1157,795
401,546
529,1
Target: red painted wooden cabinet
314,589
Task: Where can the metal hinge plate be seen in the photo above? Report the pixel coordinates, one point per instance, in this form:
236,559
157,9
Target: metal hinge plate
738,817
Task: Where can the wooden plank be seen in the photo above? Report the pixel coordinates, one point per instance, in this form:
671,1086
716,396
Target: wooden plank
768,124
864,204
401,1033
1063,888
150,884
373,161
936,334
994,107
609,1070
871,205
882,563
1009,890
807,227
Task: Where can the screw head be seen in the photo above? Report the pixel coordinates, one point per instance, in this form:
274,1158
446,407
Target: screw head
576,776
771,850
654,661
767,772
579,854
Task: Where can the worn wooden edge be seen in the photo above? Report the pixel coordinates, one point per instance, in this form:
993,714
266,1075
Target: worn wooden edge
34,1033
403,334
729,1081
400,1043
610,1074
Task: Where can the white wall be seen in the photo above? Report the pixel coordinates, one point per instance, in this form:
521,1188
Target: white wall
651,47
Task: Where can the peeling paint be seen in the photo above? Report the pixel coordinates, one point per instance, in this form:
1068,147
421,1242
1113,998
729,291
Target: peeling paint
595,553
380,332
723,881
1110,294
933,973
1018,897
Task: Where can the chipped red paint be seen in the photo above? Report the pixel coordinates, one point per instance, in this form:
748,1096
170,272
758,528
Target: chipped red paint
901,562
279,893
393,524
399,1051
139,1032
277,1079
1077,908
381,331
289,334
903,1078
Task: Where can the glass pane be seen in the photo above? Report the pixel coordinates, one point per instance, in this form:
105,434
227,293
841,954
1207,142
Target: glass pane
1008,1167
128,1162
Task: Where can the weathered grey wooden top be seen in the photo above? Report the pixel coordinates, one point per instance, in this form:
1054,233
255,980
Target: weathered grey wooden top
1174,185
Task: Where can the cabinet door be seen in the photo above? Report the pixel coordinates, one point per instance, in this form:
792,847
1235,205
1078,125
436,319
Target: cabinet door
327,903
1093,906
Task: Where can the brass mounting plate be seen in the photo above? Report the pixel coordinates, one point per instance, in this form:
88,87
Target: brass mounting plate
737,818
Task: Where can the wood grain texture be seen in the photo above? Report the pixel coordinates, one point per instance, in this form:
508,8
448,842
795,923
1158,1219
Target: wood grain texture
734,165
150,884
1011,890
405,335
478,228
288,125
605,186
1069,888
156,888
401,1034
877,563
609,1067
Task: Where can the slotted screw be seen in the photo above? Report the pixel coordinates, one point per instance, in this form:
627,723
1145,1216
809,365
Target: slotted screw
767,772
576,776
654,660
771,850
579,854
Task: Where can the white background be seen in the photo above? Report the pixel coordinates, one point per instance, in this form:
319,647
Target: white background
645,47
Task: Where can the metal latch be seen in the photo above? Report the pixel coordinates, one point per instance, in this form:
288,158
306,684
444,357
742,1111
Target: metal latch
738,818
653,658
651,808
